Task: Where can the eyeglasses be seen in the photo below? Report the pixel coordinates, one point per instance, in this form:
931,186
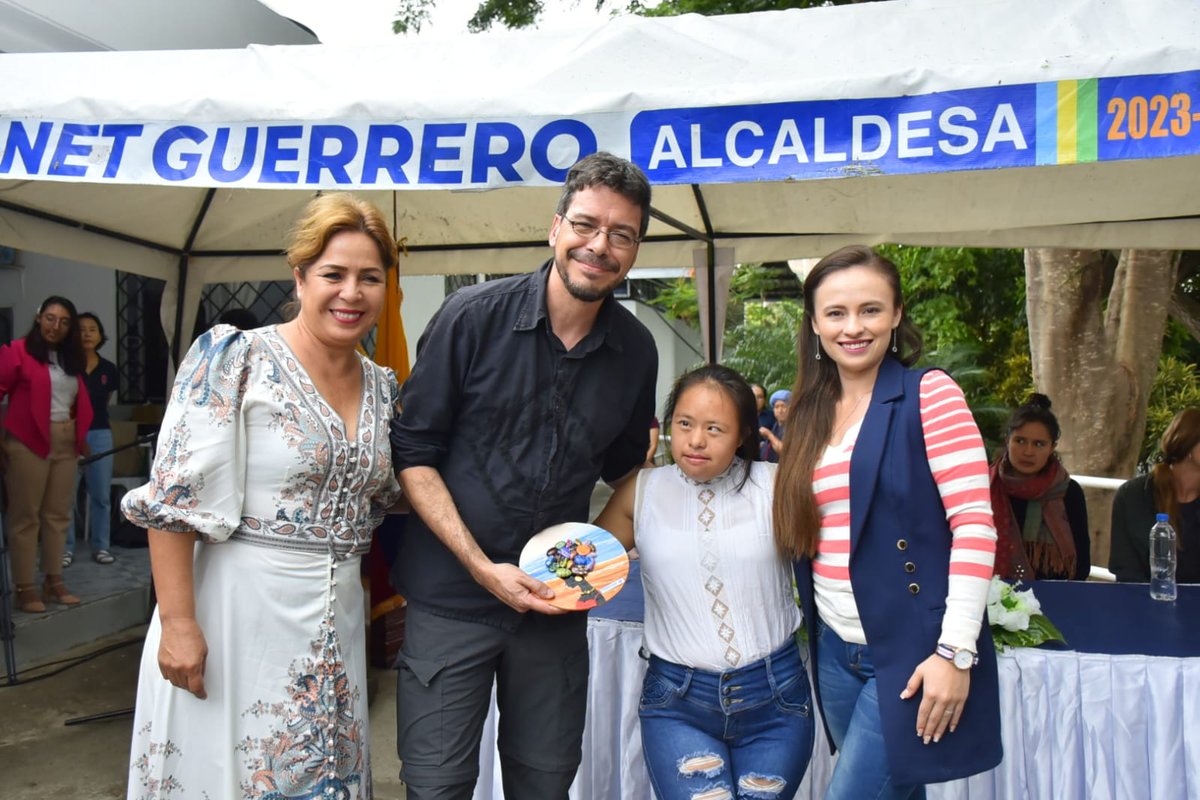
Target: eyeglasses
618,239
56,322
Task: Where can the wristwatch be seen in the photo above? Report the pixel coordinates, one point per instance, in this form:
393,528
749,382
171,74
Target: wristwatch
960,657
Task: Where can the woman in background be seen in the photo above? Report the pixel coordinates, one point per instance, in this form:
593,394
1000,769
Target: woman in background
100,377
882,497
46,425
1172,487
1041,515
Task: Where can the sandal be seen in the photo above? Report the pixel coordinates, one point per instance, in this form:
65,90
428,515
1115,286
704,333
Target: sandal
103,557
67,559
55,591
27,600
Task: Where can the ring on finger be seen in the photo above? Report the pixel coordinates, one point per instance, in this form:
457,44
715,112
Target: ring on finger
949,712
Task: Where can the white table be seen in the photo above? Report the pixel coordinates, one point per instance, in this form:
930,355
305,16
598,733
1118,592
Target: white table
1076,726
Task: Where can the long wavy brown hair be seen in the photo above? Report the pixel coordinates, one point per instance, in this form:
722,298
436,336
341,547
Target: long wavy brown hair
1176,444
814,401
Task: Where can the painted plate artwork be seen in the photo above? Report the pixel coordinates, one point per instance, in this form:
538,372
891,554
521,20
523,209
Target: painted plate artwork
583,565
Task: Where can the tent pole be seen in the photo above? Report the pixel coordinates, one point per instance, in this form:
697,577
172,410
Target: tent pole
714,336
711,268
182,274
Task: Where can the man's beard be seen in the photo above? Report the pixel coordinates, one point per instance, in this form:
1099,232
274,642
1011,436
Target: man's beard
586,292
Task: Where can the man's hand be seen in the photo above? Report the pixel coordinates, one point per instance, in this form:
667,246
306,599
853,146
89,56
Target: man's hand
516,589
182,653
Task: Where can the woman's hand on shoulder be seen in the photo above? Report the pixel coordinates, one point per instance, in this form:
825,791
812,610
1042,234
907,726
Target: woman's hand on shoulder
182,653
944,689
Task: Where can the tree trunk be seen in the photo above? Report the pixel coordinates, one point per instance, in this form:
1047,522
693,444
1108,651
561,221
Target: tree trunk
1095,354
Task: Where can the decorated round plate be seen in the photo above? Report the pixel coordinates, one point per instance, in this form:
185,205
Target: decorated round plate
583,565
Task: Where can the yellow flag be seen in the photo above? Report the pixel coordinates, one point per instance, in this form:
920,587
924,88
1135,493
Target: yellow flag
391,348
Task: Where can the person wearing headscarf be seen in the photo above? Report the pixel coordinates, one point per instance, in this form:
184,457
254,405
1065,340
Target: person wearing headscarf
772,437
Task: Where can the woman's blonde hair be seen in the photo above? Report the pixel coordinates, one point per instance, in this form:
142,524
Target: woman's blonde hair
327,215
1176,444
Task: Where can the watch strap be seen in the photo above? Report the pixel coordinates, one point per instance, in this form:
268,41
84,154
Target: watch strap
947,652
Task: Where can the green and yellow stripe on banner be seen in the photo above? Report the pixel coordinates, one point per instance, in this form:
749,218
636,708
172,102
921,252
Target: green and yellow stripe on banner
1067,118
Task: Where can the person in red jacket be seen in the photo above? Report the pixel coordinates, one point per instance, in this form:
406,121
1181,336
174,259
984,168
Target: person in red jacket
45,430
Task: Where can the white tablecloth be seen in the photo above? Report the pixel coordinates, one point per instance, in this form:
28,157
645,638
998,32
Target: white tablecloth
1075,726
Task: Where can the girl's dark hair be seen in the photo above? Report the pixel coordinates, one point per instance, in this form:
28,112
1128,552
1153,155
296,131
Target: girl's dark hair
814,400
1036,409
99,326
737,390
70,350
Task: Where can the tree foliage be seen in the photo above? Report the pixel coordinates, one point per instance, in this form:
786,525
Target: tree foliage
515,14
763,346
1176,387
671,8
969,304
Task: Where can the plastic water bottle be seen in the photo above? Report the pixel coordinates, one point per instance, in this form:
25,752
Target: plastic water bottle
1162,560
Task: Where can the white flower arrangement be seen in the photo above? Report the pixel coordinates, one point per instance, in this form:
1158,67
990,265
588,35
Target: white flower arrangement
1016,617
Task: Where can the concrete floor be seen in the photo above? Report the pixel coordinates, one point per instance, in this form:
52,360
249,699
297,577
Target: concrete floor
42,758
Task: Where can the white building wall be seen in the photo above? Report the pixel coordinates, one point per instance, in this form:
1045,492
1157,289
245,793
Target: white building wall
678,347
423,296
89,287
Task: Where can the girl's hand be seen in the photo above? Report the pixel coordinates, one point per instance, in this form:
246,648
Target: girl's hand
944,690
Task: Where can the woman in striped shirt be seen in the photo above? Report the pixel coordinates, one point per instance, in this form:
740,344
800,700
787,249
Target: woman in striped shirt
882,499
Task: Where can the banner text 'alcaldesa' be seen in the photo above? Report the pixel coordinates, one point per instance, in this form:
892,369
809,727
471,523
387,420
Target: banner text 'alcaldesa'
1061,122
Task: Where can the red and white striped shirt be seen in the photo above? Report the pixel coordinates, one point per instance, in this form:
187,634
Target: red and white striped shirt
959,466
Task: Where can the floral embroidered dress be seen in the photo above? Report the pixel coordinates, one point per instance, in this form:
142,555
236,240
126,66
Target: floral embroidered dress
253,459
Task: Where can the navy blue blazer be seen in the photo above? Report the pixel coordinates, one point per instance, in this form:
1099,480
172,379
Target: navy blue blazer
899,570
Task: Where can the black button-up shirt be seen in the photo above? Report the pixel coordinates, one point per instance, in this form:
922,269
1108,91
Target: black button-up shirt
519,428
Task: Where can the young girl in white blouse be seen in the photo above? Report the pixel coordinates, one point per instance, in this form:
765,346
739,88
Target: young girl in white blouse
726,708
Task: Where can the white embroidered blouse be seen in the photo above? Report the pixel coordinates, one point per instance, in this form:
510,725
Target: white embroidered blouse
718,596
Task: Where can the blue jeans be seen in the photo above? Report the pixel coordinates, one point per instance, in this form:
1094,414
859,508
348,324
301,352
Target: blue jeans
97,476
850,703
746,733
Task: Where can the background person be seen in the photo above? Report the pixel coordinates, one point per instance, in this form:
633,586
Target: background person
772,437
725,705
100,377
525,392
1040,512
1171,487
272,470
46,425
766,416
884,502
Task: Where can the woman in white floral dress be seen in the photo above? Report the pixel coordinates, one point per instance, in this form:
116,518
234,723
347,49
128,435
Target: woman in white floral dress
271,472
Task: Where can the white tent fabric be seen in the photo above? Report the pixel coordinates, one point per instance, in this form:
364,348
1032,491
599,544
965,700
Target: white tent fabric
781,134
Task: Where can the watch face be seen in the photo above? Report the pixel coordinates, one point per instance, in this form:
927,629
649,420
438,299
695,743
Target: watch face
963,659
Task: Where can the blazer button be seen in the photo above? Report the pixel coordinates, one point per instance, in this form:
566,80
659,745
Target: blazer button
914,587
902,544
910,566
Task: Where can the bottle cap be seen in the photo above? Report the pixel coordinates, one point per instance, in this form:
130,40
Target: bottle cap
1161,517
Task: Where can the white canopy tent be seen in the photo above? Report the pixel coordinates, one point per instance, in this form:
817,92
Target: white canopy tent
781,134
